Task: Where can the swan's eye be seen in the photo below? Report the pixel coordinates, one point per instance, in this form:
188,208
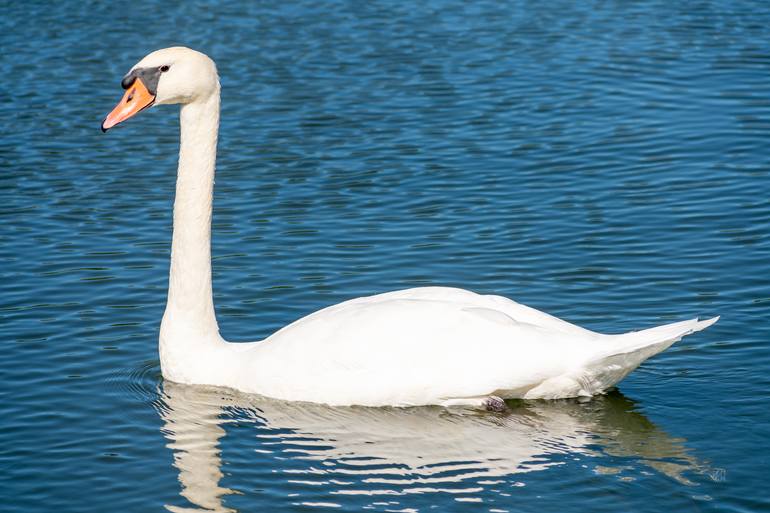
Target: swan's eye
164,68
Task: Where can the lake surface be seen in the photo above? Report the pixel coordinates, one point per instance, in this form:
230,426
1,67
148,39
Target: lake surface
606,162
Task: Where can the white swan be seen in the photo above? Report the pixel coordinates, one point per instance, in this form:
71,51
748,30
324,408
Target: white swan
419,346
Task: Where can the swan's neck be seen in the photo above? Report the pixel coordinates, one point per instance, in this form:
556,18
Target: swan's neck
189,321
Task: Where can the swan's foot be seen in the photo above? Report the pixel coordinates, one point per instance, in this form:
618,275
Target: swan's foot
496,404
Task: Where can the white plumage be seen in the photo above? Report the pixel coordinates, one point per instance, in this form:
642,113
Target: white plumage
441,345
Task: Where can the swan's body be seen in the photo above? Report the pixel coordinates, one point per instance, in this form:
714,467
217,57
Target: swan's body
419,346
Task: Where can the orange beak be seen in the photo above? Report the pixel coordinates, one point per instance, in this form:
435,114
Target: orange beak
137,98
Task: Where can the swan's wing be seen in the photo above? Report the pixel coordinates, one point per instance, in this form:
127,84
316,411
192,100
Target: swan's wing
463,299
418,346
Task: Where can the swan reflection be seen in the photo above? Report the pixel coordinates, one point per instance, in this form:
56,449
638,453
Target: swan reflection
388,451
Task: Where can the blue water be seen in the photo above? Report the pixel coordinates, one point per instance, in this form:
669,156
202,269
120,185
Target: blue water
606,162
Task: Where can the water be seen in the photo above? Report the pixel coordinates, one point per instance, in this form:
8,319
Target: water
603,161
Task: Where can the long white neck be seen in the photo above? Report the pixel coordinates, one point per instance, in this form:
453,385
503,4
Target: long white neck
189,322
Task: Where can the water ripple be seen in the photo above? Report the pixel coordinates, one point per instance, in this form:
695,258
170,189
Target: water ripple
603,161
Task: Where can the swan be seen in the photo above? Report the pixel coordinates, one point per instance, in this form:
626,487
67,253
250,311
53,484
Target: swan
421,346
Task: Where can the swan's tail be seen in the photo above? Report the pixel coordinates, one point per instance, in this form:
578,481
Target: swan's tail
621,354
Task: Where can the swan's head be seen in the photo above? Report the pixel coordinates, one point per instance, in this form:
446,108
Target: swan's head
171,75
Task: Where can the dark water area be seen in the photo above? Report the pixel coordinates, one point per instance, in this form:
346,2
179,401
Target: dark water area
606,162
